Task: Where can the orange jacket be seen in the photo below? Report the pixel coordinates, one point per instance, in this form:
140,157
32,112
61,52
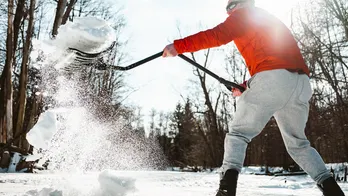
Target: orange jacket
264,41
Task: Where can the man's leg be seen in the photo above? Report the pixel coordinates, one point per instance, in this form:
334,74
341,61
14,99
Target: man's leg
291,121
255,107
248,122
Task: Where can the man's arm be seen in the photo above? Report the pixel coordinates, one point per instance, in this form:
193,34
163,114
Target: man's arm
222,34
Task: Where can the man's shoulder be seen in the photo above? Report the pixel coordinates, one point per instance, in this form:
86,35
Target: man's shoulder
249,11
247,14
239,14
259,15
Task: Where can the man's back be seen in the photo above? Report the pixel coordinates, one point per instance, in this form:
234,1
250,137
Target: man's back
266,43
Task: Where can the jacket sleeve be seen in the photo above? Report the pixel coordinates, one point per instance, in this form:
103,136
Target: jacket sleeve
222,34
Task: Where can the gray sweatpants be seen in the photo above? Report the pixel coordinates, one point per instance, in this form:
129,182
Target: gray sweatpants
285,96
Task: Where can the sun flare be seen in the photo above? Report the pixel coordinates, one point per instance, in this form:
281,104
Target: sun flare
279,8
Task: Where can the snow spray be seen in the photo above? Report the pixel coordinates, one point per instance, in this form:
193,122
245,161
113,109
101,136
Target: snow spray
80,141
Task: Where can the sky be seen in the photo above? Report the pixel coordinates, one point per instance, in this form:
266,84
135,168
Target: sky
152,24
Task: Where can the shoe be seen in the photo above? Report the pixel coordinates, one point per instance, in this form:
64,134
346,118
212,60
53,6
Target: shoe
330,188
228,183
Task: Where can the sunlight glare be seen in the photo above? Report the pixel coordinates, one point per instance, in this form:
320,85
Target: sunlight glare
280,8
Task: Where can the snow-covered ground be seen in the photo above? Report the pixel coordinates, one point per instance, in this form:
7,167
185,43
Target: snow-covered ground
151,183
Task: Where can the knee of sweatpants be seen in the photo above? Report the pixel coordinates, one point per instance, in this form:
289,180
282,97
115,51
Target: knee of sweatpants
248,128
297,146
245,135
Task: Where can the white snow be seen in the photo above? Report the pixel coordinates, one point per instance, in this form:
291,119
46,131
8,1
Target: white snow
152,183
30,158
88,34
113,184
42,132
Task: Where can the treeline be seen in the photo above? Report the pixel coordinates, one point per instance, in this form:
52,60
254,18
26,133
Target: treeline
193,134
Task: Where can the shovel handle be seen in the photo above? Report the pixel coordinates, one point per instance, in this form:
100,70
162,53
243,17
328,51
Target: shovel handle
229,85
136,64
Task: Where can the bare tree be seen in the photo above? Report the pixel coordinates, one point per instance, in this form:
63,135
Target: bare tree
321,30
58,17
215,136
6,81
338,8
21,103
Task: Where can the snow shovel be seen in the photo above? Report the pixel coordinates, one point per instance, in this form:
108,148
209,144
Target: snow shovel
96,59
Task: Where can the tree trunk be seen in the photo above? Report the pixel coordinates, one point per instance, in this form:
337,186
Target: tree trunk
24,76
20,14
215,140
59,17
68,10
6,83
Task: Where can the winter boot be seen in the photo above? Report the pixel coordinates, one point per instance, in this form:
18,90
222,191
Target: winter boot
228,183
330,188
